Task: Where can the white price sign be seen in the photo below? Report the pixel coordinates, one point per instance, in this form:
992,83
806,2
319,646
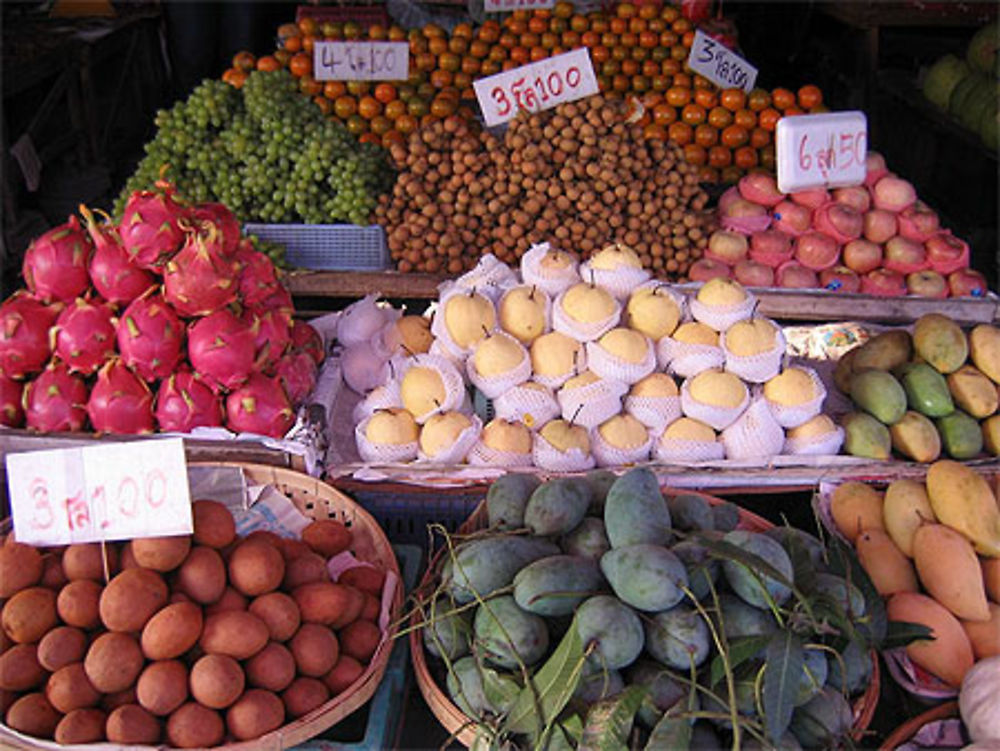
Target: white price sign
113,491
821,151
501,6
719,64
537,86
361,61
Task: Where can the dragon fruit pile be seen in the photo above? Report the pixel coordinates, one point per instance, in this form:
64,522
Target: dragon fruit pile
170,320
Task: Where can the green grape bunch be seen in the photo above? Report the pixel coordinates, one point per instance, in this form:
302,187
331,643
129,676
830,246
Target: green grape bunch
266,152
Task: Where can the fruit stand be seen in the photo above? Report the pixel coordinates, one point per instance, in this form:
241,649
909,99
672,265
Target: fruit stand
555,362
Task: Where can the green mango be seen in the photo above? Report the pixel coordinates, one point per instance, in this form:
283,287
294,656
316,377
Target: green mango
466,686
662,691
447,632
505,633
678,636
600,481
690,512
485,565
926,389
753,586
635,511
961,436
865,436
613,628
739,619
588,539
647,577
878,393
557,584
823,721
557,506
599,685
702,569
507,498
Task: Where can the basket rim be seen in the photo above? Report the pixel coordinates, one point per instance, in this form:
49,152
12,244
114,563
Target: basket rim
909,728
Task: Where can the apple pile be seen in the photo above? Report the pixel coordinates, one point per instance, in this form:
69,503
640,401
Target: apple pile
576,365
877,238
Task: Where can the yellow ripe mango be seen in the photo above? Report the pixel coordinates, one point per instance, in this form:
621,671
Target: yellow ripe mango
885,564
985,635
949,570
949,654
904,509
962,499
856,506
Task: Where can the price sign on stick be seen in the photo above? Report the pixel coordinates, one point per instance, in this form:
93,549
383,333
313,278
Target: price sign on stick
361,61
501,6
535,87
719,64
821,151
113,491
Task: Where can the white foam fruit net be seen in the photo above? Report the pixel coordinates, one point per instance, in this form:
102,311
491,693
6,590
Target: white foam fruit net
592,404
791,416
532,407
482,455
760,367
686,360
655,412
454,386
550,281
827,444
459,449
489,276
721,317
754,435
583,331
555,381
440,329
608,365
493,386
710,414
607,455
682,451
547,456
381,397
382,453
619,282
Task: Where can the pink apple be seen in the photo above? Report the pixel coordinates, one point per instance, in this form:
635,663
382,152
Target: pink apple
884,283
726,199
875,168
856,196
946,253
744,216
816,251
893,194
761,188
812,198
838,220
862,255
791,218
726,247
772,247
839,279
704,269
794,275
879,225
918,222
753,274
904,256
967,283
927,283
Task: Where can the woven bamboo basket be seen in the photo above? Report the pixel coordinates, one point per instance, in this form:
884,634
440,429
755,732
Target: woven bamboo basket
463,728
908,729
317,500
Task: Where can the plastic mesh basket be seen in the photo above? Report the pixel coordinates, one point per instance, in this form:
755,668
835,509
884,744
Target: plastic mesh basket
328,247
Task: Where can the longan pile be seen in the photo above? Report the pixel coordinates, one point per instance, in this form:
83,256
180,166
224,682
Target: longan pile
577,176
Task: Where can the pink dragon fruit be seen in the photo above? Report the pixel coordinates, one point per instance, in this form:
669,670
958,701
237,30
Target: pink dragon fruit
25,345
279,300
258,278
259,406
224,221
56,400
11,402
115,277
305,338
221,348
185,402
297,373
85,335
55,264
272,331
151,228
150,336
120,401
200,279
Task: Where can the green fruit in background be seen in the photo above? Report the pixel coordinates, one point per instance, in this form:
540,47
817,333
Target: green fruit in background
879,394
484,566
556,507
647,577
940,342
823,721
961,92
678,637
662,691
752,585
447,632
508,635
588,539
916,438
926,389
982,98
885,351
865,436
942,77
982,50
557,584
989,129
507,498
961,436
613,628
635,511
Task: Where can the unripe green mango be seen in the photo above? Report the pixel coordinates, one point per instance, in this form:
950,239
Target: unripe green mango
878,393
485,565
557,506
647,577
635,511
557,584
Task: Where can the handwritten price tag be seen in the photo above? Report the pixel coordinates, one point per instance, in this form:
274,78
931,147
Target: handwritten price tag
361,61
821,151
114,491
719,64
501,6
537,86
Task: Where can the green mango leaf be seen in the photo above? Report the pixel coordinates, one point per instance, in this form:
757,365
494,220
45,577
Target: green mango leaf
901,633
609,722
500,689
550,688
740,650
671,732
556,739
727,551
844,562
802,564
573,727
784,659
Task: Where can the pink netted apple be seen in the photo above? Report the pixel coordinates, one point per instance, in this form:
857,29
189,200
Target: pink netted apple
904,256
884,283
791,218
812,198
856,196
946,253
875,168
918,222
839,279
726,199
893,194
861,255
704,269
879,225
744,216
761,188
753,274
726,247
816,250
794,275
967,283
838,220
927,283
772,247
